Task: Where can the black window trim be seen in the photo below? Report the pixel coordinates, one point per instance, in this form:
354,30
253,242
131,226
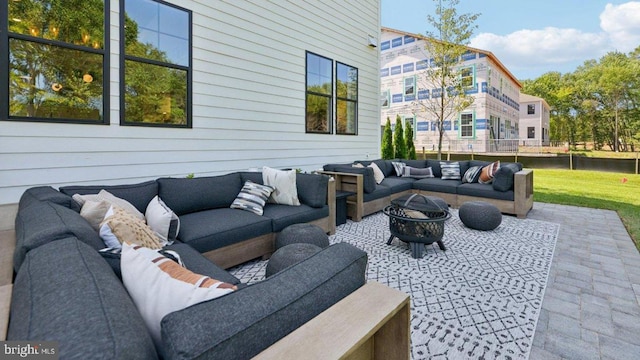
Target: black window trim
4,69
306,92
189,69
356,101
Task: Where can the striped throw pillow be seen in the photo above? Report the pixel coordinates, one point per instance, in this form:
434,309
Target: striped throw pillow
252,197
487,173
450,170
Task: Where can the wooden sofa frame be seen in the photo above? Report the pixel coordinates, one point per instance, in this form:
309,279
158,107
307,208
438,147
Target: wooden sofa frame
357,208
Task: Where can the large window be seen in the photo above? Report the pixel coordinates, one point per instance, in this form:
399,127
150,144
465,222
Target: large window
467,77
57,61
346,99
155,61
466,125
319,94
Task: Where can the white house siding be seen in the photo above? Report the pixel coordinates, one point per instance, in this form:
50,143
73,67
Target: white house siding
496,93
539,121
248,102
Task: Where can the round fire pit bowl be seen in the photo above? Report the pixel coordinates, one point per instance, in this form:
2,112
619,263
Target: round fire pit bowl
417,220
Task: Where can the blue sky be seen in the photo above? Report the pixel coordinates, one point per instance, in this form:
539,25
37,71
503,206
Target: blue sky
534,37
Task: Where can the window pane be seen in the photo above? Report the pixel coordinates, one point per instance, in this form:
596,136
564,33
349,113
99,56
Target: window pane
157,31
155,94
346,113
318,113
347,82
53,82
319,74
409,86
74,22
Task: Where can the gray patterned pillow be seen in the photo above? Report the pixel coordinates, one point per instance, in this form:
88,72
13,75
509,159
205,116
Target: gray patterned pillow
450,170
398,167
417,173
472,174
252,197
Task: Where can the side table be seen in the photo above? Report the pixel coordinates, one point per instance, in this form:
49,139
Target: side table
341,206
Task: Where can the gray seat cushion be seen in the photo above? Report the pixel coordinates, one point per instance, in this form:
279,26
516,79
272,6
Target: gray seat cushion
185,196
437,185
285,215
44,222
485,191
199,264
212,229
398,184
139,195
65,292
241,324
380,192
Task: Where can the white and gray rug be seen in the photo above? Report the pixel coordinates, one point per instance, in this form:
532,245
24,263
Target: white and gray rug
480,299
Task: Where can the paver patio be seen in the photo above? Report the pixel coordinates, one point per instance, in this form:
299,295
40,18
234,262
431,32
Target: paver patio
591,307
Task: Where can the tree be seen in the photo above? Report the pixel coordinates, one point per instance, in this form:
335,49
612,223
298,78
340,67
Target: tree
398,140
387,141
408,140
445,75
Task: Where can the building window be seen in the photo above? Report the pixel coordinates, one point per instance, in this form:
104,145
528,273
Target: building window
319,94
412,121
155,64
466,125
467,77
57,61
531,109
384,99
346,99
409,88
531,132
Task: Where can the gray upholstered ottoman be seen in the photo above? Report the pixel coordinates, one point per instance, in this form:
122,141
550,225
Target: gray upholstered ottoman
290,255
480,215
302,233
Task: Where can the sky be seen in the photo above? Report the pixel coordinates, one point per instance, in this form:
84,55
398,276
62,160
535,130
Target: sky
533,37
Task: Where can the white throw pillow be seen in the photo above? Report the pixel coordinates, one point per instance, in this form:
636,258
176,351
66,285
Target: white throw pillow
284,186
377,173
159,286
162,219
104,195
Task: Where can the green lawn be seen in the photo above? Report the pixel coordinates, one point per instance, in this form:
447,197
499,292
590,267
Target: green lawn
593,189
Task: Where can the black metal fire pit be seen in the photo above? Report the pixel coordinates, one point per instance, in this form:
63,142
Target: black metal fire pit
417,220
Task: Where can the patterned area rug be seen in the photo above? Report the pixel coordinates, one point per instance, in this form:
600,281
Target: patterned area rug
480,299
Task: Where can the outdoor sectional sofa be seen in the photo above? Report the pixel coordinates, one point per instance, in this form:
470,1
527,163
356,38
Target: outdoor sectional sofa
66,291
511,190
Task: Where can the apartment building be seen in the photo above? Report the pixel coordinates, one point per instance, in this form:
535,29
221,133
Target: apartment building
534,121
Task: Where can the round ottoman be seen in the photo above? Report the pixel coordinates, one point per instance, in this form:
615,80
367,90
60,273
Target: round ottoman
480,215
302,233
290,255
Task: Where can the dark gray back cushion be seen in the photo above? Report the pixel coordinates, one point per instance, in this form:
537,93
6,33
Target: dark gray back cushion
139,195
47,193
503,178
369,181
415,163
65,292
44,222
185,196
312,189
254,176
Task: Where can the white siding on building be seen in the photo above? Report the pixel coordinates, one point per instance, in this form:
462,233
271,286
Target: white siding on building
248,102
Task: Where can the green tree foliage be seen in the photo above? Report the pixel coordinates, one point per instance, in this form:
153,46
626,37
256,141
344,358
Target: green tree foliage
449,39
398,140
387,141
408,139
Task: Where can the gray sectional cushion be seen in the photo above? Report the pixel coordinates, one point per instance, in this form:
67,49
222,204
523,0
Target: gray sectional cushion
485,191
312,189
503,178
386,166
212,229
480,163
185,196
416,163
397,184
139,195
380,192
47,193
44,222
369,182
285,215
242,324
255,176
437,185
65,292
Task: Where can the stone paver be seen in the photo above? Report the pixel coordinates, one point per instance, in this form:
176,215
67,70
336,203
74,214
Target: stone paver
591,308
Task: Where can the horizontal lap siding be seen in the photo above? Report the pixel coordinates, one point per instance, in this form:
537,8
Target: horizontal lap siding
248,102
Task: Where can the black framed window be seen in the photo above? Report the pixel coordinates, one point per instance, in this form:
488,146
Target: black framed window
531,109
531,132
56,61
155,64
346,99
319,94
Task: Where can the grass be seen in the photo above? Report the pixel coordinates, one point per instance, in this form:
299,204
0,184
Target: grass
593,189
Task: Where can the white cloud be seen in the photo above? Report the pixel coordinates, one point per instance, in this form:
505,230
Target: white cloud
558,48
622,24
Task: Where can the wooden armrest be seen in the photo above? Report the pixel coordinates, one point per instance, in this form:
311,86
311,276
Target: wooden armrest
372,322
